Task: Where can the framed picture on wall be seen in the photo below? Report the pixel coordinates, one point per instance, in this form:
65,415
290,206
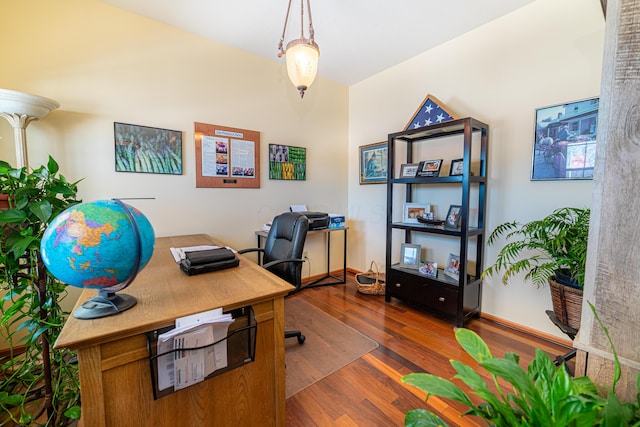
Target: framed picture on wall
373,163
564,145
287,162
147,150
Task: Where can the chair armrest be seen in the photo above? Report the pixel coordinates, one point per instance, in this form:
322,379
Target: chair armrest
280,261
244,251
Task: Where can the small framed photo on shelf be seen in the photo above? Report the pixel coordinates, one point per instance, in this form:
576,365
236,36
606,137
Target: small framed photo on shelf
429,168
410,255
429,268
453,217
408,170
411,212
456,167
452,269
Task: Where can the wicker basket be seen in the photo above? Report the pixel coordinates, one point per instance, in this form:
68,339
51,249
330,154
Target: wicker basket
567,303
371,282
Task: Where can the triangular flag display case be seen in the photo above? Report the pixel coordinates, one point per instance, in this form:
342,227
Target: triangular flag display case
430,112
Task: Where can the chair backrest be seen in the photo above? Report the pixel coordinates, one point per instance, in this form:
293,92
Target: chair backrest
286,240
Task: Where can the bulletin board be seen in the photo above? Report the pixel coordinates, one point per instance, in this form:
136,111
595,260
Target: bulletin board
226,157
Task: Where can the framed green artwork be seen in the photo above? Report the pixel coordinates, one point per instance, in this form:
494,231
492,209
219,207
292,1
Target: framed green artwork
287,162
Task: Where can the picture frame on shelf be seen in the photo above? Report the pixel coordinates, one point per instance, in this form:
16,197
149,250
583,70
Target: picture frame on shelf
456,167
410,255
452,219
409,170
373,163
564,145
429,269
452,269
411,212
429,168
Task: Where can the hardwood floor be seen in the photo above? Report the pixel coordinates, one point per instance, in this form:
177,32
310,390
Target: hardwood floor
368,392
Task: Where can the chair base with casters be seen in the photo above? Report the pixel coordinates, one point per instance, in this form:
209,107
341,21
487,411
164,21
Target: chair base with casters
296,334
282,252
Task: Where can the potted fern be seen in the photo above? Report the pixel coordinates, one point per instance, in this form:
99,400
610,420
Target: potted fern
549,250
38,384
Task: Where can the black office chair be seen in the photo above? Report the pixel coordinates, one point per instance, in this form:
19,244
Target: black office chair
282,253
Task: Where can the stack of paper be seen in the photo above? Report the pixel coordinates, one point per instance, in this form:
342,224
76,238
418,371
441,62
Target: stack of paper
190,355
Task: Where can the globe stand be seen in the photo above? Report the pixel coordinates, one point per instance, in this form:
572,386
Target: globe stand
105,304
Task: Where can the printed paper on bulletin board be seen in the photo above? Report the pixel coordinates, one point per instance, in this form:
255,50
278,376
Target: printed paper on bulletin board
226,157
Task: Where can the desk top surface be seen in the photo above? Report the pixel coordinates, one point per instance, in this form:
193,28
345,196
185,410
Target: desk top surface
165,293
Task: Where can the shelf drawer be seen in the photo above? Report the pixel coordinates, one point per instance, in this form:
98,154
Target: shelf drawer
433,295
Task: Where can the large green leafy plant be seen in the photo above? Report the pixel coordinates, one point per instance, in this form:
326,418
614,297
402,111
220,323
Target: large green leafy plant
38,384
542,248
541,395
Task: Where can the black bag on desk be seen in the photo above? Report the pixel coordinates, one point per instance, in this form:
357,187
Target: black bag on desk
209,260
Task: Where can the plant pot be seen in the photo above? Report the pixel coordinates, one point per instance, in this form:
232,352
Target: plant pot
4,202
567,303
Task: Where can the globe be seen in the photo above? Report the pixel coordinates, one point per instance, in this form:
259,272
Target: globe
99,245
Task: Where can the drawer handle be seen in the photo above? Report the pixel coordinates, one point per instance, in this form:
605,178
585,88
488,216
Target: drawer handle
441,299
398,285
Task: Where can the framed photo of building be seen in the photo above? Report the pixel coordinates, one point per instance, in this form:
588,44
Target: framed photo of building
410,255
564,145
373,163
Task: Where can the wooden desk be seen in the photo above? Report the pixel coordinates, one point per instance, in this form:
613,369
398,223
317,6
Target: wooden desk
115,377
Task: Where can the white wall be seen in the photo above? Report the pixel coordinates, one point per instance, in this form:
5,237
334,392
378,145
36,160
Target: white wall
546,53
106,65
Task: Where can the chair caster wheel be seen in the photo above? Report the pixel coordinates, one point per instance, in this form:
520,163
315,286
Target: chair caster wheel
301,339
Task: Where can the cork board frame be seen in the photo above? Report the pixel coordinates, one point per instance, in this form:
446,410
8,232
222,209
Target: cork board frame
226,157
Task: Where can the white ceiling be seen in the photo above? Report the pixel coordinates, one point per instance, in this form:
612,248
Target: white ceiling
357,38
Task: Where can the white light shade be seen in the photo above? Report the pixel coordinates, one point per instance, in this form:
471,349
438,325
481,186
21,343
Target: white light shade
302,63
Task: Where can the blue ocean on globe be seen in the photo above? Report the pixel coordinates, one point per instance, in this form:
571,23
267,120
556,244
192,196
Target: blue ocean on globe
95,245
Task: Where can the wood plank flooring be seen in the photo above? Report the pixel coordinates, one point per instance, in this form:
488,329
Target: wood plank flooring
368,392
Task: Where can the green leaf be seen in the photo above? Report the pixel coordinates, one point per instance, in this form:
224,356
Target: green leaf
11,399
422,418
73,412
52,165
41,209
437,386
473,344
11,216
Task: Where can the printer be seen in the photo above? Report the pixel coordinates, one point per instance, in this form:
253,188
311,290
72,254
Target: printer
317,220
